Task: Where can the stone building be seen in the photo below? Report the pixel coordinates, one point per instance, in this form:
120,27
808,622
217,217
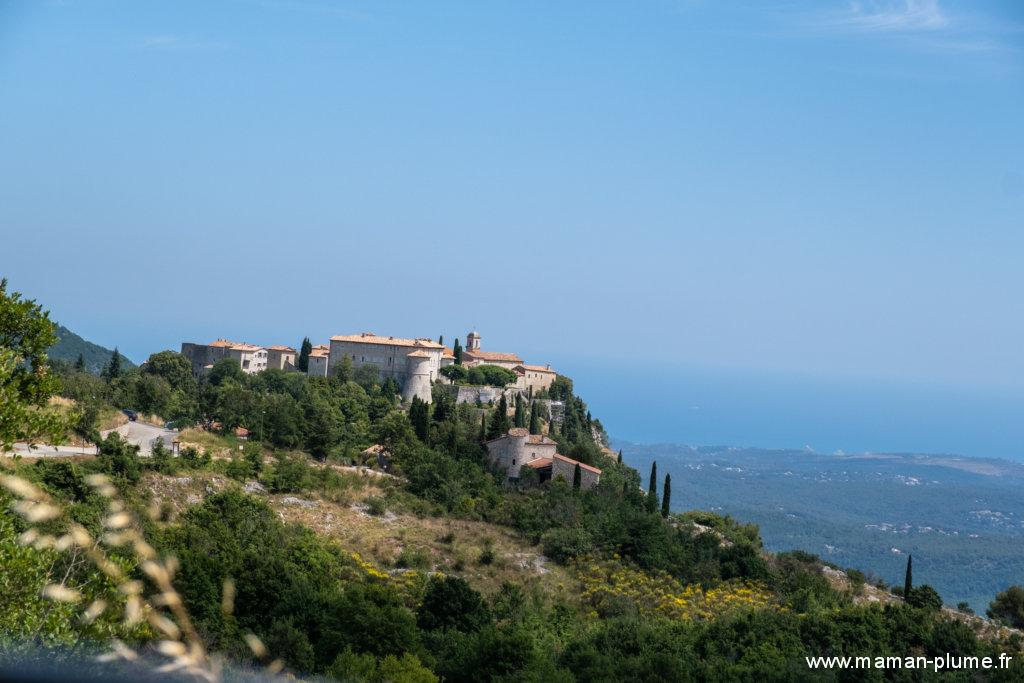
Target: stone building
534,377
519,448
413,363
251,358
318,361
281,358
474,355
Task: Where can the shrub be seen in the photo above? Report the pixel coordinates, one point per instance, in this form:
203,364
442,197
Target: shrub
562,544
376,506
1008,607
925,597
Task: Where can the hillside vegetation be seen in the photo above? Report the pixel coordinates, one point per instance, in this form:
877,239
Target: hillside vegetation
283,551
70,346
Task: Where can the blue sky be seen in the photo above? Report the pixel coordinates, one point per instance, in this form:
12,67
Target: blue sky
814,189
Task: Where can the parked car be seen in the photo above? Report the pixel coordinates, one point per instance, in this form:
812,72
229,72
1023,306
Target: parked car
132,415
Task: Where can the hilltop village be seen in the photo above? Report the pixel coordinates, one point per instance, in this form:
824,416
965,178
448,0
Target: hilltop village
468,374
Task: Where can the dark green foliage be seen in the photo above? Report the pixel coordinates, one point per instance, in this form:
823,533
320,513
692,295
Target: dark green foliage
419,416
479,375
302,363
519,418
112,370
534,418
119,458
450,604
666,496
225,370
457,352
908,577
924,597
499,424
1008,607
70,347
577,477
80,363
652,489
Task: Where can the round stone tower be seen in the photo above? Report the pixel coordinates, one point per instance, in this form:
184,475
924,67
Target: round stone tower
417,377
473,341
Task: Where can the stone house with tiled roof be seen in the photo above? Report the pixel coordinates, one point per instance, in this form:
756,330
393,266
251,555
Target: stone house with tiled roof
251,358
518,448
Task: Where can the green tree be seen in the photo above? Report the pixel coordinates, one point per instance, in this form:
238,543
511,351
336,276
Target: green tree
419,416
908,578
666,496
520,415
652,489
457,352
1008,607
113,368
174,368
26,383
226,370
577,477
925,597
80,363
499,420
451,604
304,351
534,418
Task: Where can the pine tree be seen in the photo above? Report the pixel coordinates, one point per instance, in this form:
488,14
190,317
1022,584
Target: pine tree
80,363
577,477
113,369
652,489
534,418
457,352
620,456
304,352
908,579
666,496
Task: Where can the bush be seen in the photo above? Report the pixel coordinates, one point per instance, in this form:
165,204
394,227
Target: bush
924,597
450,603
376,506
562,544
1008,607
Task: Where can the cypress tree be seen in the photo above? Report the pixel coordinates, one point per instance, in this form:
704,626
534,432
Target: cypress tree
520,416
652,489
577,478
440,340
666,496
534,419
499,421
80,363
908,579
620,456
483,426
304,350
457,352
419,415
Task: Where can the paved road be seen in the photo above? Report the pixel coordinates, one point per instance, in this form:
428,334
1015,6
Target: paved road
143,435
136,433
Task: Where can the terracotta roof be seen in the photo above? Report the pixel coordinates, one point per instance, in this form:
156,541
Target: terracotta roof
448,353
280,348
246,347
371,338
540,440
322,347
319,353
493,355
418,354
536,368
583,465
237,346
539,463
518,431
220,343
